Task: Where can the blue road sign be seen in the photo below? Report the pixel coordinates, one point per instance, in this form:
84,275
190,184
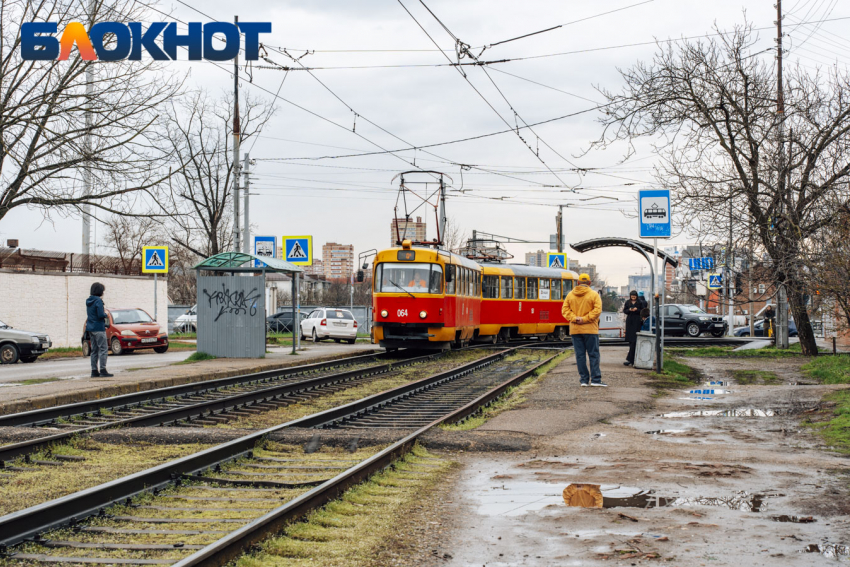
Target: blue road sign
706,263
298,250
715,281
155,259
655,213
265,246
557,260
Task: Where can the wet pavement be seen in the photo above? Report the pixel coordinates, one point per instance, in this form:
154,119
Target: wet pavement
683,480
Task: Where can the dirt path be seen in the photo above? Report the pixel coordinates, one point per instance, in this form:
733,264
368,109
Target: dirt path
688,479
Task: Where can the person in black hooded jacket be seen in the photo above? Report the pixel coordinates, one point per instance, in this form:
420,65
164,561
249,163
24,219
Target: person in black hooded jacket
632,308
96,322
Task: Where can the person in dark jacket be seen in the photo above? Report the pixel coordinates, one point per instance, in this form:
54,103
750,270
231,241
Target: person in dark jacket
96,329
632,309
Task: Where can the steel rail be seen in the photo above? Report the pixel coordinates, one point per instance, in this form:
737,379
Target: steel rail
23,524
232,545
173,415
47,415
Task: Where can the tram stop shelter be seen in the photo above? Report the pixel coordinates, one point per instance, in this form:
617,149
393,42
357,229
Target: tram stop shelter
232,303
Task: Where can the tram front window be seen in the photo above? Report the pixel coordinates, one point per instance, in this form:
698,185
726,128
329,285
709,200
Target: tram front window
409,278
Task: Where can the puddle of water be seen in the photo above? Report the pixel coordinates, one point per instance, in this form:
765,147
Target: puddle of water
697,398
743,412
9,384
832,550
711,391
632,497
794,519
716,383
665,431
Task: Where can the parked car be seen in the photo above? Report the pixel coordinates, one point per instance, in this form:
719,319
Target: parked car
130,329
690,320
188,322
759,329
324,323
17,345
281,322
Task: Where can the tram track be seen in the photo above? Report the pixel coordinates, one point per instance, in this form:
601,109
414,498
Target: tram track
200,403
206,508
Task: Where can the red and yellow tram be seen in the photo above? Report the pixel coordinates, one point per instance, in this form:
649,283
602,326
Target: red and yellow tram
427,298
424,297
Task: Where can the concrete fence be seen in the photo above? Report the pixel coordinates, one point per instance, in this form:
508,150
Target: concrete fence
55,302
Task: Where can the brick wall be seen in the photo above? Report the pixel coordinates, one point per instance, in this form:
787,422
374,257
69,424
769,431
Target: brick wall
55,303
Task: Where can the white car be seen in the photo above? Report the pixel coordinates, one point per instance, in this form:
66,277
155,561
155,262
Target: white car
188,322
328,323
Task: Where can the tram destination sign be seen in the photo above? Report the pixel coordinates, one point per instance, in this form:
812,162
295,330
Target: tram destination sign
655,213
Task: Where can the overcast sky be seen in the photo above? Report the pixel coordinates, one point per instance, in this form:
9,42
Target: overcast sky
351,200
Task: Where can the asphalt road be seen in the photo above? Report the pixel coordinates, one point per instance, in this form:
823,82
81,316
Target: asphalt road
79,367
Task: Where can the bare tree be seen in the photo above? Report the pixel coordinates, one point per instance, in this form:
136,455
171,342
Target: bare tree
455,237
127,236
198,133
710,108
52,131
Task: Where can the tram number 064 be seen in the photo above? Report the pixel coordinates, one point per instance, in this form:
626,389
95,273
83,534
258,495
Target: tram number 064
402,313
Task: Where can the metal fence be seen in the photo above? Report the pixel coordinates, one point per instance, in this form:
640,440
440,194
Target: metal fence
46,261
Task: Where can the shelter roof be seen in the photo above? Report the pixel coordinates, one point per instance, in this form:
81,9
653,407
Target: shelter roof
235,262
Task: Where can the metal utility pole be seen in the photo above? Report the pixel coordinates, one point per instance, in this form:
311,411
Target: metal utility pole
87,146
442,212
782,307
560,228
246,226
730,286
236,136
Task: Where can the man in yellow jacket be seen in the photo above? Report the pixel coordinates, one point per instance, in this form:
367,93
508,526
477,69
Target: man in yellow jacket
582,308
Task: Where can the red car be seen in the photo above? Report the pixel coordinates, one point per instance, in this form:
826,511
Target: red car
130,329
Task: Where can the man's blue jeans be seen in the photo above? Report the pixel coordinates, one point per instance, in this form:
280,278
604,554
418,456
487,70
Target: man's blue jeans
587,344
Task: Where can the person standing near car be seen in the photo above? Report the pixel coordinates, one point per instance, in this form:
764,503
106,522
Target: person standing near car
582,309
632,308
769,317
96,330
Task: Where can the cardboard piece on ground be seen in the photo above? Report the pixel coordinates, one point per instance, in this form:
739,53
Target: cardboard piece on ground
583,495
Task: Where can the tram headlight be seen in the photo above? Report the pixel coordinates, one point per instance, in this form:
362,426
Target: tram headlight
423,314
384,313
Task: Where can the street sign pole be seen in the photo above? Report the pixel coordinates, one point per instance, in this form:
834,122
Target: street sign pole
155,316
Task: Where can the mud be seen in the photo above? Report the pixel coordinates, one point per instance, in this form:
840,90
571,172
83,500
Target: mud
730,480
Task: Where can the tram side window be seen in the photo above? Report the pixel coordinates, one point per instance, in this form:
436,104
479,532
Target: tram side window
507,287
451,276
519,288
491,287
473,283
532,288
556,289
478,278
461,284
568,287
544,290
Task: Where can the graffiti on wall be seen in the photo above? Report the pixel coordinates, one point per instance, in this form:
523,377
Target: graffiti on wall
232,302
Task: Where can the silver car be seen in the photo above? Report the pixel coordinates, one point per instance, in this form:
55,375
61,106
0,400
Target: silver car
21,345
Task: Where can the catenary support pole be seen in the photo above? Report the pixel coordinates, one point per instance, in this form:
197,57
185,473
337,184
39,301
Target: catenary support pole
237,133
560,230
781,319
87,144
246,224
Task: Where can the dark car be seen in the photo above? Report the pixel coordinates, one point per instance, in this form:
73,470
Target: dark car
17,345
690,320
280,322
759,329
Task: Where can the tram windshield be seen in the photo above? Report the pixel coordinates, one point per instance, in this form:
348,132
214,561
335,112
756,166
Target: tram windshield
410,277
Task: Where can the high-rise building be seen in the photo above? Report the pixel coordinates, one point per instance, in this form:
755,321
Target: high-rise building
317,269
407,230
536,258
589,269
338,261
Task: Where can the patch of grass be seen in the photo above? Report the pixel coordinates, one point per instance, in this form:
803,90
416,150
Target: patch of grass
349,532
34,381
103,462
750,377
196,357
730,352
835,429
829,369
512,397
674,376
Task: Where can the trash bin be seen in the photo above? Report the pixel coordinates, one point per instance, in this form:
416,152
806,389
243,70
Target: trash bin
645,350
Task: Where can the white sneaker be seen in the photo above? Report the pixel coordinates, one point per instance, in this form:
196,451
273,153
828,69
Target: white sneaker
599,384
583,385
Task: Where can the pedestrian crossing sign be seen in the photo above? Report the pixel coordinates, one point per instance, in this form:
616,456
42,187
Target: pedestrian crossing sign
298,250
155,259
715,281
557,260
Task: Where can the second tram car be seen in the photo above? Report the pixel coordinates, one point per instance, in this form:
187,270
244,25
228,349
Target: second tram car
523,301
424,298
